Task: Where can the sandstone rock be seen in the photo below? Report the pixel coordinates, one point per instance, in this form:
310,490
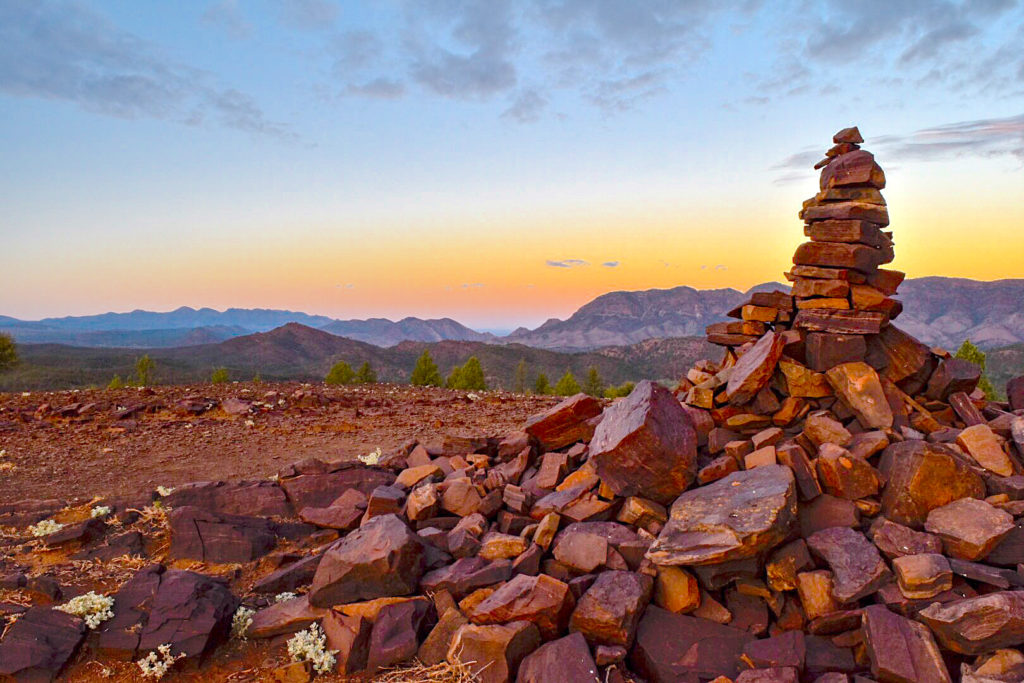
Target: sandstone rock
676,590
981,443
259,498
969,528
321,489
784,650
816,596
460,497
754,369
745,514
201,535
287,616
609,611
382,558
495,651
840,322
580,550
345,513
560,661
189,611
901,649
349,638
953,375
38,645
434,648
466,575
287,579
565,423
674,647
844,475
857,385
923,576
857,568
978,624
921,477
646,445
543,600
896,540
396,633
785,563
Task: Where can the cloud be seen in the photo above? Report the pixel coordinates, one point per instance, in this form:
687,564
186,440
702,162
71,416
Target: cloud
308,15
473,285
227,15
610,264
526,108
567,263
66,52
982,137
378,88
354,50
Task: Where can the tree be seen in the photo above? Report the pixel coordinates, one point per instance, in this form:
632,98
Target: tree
366,374
594,385
8,352
116,383
426,374
219,376
971,353
257,379
519,382
340,373
471,377
624,389
144,371
454,378
542,386
567,385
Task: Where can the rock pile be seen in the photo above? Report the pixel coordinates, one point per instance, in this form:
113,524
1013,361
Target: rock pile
832,502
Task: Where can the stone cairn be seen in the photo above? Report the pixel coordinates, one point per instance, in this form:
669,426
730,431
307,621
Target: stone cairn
832,502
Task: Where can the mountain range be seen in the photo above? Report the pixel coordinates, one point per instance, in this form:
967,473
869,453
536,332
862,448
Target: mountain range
940,311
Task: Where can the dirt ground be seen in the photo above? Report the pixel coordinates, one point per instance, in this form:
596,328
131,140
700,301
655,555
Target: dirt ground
79,444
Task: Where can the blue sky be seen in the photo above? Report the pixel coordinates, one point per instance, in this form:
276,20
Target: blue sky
433,158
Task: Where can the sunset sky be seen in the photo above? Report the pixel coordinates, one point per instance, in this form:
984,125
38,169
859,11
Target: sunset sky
499,162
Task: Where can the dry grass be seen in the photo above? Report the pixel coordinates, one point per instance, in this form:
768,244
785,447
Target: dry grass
445,672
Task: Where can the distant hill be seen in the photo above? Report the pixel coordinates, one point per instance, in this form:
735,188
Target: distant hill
181,336
383,332
296,351
943,311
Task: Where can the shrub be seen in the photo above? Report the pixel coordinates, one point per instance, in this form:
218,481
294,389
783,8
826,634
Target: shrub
219,376
519,381
567,385
156,664
624,389
366,374
542,386
311,646
340,373
91,607
8,352
454,378
144,371
116,383
971,353
469,377
426,374
594,385
241,621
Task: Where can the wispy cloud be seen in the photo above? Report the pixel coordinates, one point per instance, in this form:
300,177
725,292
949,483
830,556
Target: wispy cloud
527,107
567,263
63,51
227,15
472,285
610,264
308,15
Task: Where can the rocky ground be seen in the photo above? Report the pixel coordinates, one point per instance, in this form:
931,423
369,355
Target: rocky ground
80,444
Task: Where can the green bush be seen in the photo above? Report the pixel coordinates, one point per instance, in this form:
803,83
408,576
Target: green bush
8,352
471,376
426,374
624,389
594,386
144,371
116,383
219,376
567,385
340,373
542,385
519,381
366,374
971,353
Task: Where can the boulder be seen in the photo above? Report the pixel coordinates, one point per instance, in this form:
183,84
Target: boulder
565,423
434,648
953,375
380,559
287,616
923,576
755,368
979,624
646,445
198,534
901,649
39,643
290,577
923,476
1015,393
189,611
466,575
320,489
981,443
259,498
895,540
396,632
541,599
349,638
969,528
494,652
674,647
857,568
738,517
857,385
560,661
609,611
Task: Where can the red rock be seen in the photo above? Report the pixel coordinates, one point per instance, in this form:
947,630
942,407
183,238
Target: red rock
206,536
322,489
466,575
382,558
901,649
344,513
896,540
785,563
981,443
560,661
969,528
609,611
848,135
396,633
738,517
259,498
582,551
565,423
495,651
784,650
840,322
857,568
541,599
923,576
979,624
754,369
349,638
1015,393
434,648
845,475
921,477
857,385
190,612
646,445
845,211
674,647
287,616
853,168
786,674
39,643
953,375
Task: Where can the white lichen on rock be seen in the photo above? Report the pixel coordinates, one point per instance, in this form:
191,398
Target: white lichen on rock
157,663
164,491
288,595
45,528
100,511
310,646
371,458
92,607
